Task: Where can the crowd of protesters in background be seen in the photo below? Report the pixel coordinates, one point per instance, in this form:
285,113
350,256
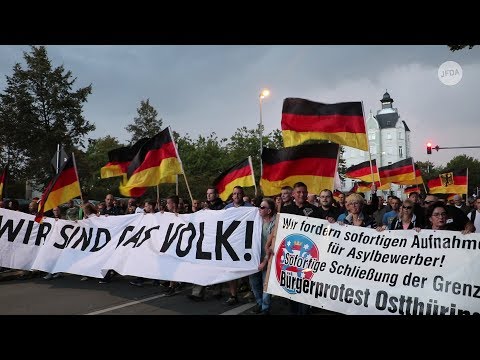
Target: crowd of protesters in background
350,209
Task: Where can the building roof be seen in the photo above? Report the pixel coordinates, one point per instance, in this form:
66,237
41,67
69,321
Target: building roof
406,127
387,120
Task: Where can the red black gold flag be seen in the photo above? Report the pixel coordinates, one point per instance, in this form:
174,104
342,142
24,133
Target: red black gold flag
354,188
62,188
397,172
119,159
341,123
156,161
336,195
417,180
450,197
364,186
3,180
411,189
313,164
240,174
450,182
363,171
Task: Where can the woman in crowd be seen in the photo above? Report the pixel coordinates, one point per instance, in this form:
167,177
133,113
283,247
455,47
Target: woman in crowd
406,219
356,216
267,212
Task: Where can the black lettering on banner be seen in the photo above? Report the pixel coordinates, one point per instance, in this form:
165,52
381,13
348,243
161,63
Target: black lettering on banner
202,255
84,238
64,236
135,238
75,232
108,237
28,232
124,234
221,239
43,231
12,234
179,251
248,240
148,234
169,240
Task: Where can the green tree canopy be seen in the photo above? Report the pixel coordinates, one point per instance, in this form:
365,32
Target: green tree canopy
145,125
39,110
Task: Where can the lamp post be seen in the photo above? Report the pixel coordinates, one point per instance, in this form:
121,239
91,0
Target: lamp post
263,94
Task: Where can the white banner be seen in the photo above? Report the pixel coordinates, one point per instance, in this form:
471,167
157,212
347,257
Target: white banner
355,270
204,248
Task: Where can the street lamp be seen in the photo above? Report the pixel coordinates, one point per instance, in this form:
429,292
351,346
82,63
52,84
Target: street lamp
263,94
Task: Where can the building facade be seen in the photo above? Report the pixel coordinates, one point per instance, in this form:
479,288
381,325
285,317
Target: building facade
388,138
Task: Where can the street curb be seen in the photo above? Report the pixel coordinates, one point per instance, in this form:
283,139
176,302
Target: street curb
19,275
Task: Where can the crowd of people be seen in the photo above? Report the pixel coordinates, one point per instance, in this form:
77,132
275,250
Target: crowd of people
351,209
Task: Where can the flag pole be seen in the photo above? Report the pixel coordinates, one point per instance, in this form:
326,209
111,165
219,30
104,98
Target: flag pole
369,154
181,165
253,174
58,159
76,173
158,196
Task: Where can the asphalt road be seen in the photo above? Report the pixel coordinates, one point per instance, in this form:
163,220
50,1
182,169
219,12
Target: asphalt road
70,296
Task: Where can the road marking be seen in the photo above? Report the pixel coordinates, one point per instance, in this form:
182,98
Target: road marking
125,305
239,309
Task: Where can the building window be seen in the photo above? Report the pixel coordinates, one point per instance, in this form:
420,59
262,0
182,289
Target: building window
389,150
400,135
400,151
389,136
371,136
373,149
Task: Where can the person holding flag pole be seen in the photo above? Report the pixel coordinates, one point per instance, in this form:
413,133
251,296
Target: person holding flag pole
62,188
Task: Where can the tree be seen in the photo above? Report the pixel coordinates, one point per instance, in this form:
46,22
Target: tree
145,125
89,164
39,110
203,160
459,47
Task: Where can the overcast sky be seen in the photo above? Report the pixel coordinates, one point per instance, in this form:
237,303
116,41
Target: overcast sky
199,89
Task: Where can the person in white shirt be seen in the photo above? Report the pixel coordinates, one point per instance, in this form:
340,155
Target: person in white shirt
474,215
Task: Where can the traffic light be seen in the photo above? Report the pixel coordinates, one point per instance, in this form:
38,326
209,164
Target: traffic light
429,148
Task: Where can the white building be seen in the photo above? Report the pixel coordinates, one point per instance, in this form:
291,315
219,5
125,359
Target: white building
388,138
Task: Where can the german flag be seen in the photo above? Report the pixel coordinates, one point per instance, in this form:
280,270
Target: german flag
363,171
240,174
341,123
450,197
156,161
450,182
418,179
411,189
313,164
336,195
364,186
354,188
62,188
119,159
3,180
397,172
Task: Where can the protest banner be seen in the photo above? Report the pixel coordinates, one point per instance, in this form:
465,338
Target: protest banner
355,270
204,248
